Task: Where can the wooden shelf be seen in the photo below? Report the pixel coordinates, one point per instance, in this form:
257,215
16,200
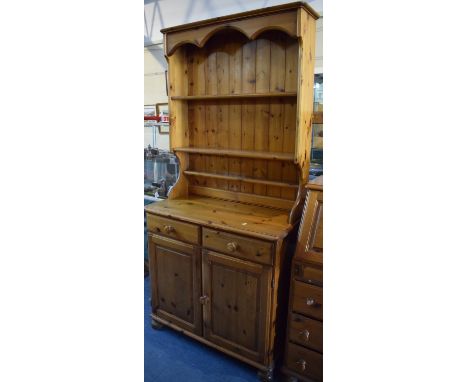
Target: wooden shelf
234,96
242,197
268,155
241,178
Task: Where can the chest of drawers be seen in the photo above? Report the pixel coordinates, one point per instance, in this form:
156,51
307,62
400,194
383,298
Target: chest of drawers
304,350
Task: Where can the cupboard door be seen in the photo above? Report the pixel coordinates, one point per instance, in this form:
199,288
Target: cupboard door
175,282
236,304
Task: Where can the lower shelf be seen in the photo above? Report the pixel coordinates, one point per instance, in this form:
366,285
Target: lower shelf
267,155
269,201
241,178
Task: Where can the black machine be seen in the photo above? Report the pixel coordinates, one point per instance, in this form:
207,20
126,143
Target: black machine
161,172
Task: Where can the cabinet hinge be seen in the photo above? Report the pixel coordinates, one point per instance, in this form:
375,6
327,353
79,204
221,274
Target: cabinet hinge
272,283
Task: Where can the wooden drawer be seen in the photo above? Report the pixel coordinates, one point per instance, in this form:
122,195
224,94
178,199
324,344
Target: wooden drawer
238,246
305,362
306,331
173,228
308,273
307,299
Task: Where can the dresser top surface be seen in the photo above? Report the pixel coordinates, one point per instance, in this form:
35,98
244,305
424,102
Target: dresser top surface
262,222
316,184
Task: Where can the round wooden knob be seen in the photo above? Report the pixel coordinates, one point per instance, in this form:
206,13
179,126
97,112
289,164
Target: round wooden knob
232,247
305,334
310,301
168,229
302,364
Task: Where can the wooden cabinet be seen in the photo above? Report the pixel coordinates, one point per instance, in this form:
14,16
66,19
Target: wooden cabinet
304,359
223,291
240,105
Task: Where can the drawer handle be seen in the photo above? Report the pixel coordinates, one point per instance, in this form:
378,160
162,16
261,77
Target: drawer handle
232,247
310,301
168,229
305,334
302,364
203,300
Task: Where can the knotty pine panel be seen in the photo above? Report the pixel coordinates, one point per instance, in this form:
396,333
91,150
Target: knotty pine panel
231,64
275,132
289,170
248,109
247,142
234,49
211,107
222,74
262,110
235,141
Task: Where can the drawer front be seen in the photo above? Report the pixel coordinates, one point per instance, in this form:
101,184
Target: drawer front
238,246
307,299
308,273
306,331
173,228
305,362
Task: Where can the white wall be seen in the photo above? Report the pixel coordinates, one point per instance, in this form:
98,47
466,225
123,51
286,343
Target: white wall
155,89
319,46
167,13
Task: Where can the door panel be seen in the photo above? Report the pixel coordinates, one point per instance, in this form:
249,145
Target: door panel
236,295
175,280
175,283
235,314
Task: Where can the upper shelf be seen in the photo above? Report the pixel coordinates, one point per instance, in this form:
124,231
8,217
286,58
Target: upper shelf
234,96
238,153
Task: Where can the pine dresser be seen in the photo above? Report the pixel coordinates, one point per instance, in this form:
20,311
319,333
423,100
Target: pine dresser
240,104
